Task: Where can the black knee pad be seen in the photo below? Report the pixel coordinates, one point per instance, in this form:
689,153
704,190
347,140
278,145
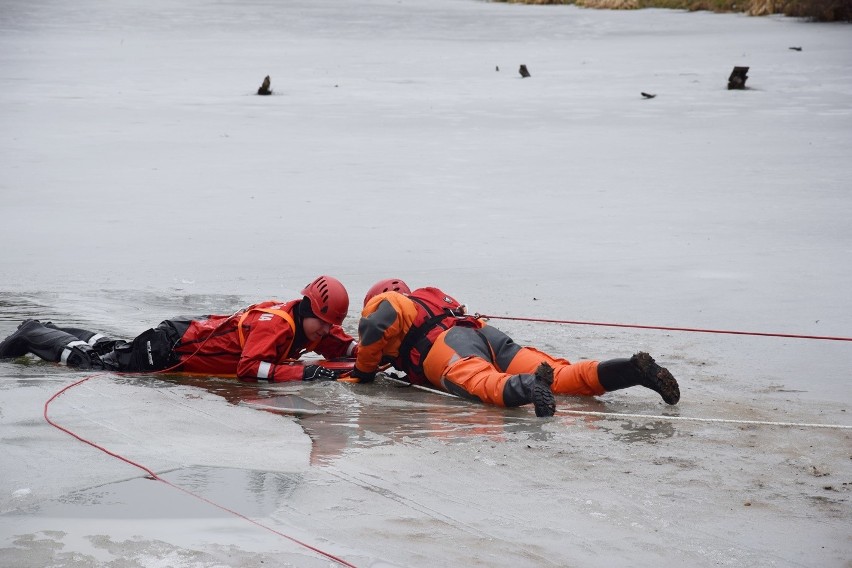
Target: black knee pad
81,357
151,351
455,389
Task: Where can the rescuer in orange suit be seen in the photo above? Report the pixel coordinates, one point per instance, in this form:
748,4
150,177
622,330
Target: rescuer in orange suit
258,343
427,334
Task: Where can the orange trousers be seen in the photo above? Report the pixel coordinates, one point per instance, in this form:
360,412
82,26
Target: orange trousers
487,365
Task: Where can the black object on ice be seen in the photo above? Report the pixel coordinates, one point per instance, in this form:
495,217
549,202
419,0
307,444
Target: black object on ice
656,378
796,48
648,95
523,71
264,88
50,344
738,78
641,369
543,399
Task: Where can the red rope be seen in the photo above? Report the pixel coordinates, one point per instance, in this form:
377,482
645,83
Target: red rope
694,329
156,477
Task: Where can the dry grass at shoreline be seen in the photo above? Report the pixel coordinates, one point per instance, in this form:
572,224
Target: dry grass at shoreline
816,10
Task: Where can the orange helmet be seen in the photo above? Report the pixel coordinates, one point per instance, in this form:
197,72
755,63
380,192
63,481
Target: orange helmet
386,285
329,300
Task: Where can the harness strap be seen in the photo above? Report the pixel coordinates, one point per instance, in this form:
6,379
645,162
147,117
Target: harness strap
280,313
418,333
417,337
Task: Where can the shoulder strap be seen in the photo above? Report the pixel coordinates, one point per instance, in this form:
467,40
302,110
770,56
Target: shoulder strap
417,336
280,313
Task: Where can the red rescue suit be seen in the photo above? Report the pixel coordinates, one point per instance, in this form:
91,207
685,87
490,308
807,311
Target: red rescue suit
257,344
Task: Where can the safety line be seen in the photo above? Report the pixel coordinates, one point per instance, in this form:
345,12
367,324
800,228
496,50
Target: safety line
666,328
388,377
156,477
619,415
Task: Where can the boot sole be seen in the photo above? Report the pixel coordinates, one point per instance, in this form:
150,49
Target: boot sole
658,378
543,399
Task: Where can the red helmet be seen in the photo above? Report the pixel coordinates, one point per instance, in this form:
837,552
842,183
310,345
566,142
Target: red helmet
329,300
386,285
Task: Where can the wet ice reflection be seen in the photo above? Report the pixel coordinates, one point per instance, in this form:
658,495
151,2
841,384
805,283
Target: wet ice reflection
354,417
644,432
253,493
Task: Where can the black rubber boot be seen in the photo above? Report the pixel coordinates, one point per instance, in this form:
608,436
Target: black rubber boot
16,345
639,370
531,388
543,399
51,345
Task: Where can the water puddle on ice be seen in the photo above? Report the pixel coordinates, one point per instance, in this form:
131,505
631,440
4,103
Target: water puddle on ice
341,417
643,432
253,493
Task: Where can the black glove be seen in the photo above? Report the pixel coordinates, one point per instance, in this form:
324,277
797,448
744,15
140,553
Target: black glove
319,373
362,376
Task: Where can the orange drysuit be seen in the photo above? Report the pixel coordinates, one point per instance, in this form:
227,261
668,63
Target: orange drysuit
458,353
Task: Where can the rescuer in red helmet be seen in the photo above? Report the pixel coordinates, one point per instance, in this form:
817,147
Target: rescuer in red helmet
259,343
386,285
427,334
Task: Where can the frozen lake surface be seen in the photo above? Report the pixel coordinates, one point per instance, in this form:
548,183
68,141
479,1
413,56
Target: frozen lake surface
141,178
